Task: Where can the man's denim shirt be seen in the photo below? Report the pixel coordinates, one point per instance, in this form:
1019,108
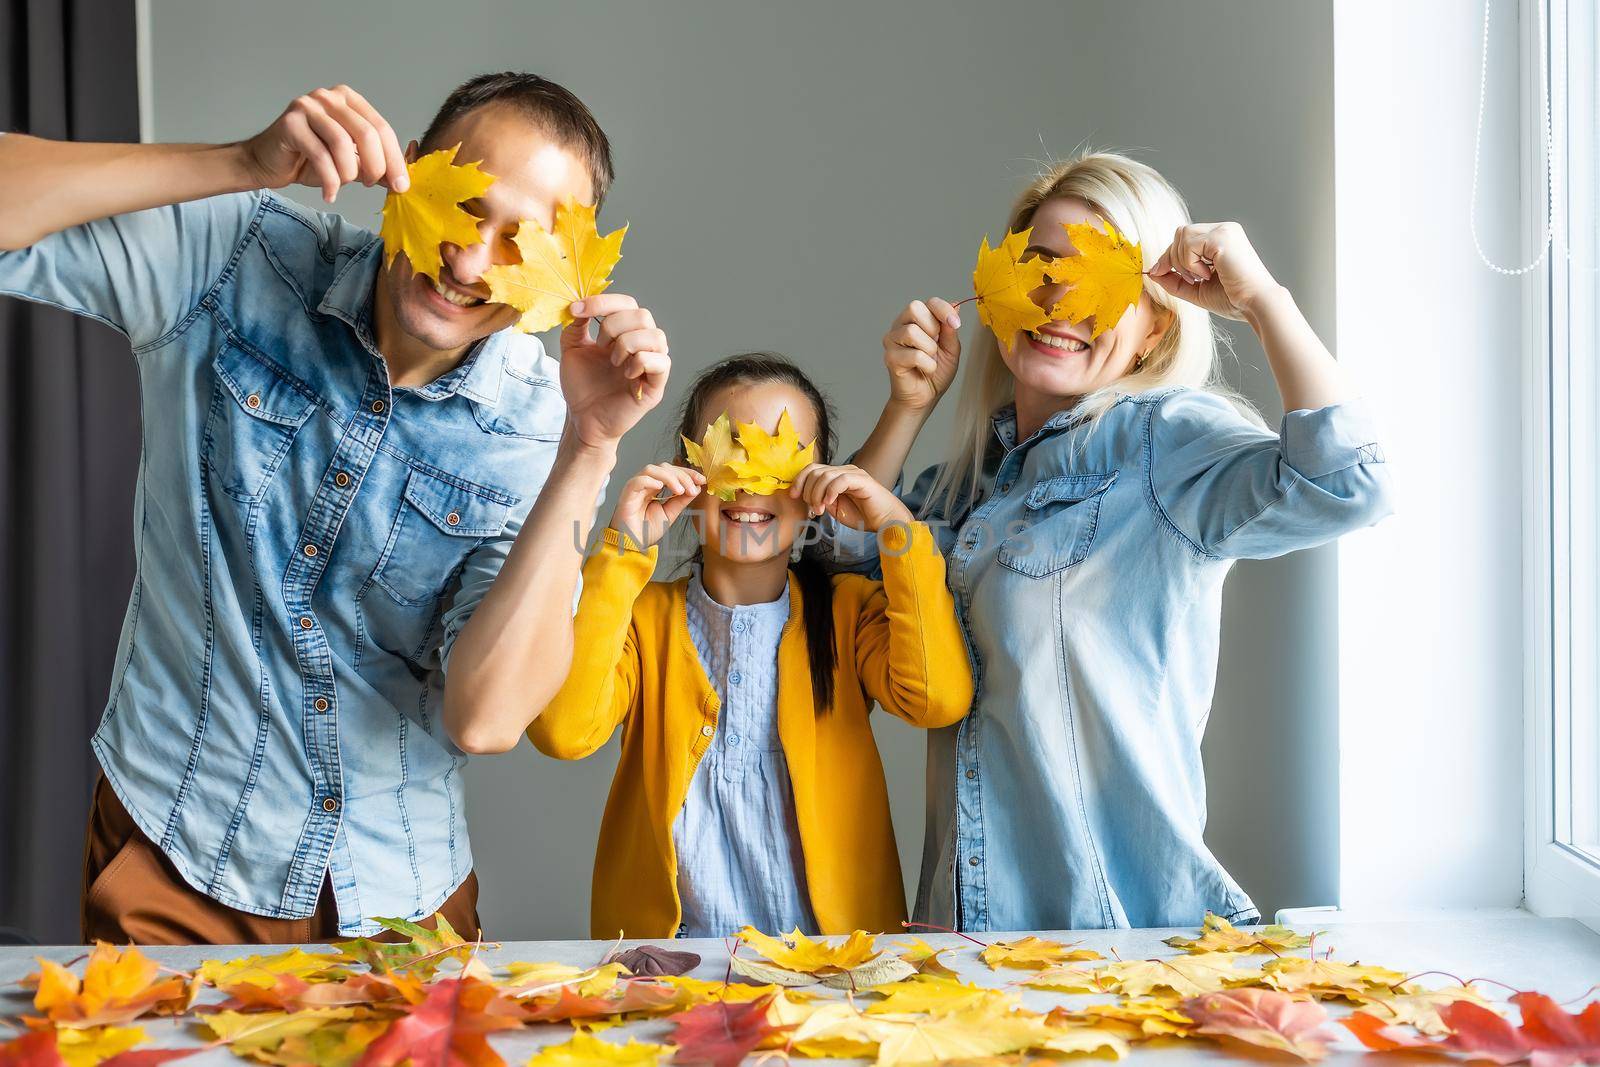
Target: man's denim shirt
1088,577
309,542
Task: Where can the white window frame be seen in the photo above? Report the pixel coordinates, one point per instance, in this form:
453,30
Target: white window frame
1557,879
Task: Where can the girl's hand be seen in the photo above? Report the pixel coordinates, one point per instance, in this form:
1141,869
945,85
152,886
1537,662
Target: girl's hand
922,350
1212,264
850,495
642,513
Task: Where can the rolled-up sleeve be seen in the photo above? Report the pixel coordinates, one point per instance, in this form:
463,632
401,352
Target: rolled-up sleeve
142,273
1232,489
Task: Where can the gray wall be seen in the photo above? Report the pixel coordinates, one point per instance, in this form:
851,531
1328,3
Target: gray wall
793,174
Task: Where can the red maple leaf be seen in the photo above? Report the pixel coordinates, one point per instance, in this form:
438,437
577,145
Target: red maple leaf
449,1027
1548,1036
291,993
1559,1037
720,1033
37,1048
627,996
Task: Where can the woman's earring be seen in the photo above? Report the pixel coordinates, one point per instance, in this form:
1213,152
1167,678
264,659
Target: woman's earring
795,551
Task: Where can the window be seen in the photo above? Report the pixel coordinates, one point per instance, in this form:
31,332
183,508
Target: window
1563,848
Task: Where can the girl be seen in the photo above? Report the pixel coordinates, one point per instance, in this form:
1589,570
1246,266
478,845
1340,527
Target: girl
749,789
1097,492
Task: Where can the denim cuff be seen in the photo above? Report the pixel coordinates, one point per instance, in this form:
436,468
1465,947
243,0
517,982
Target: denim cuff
1324,441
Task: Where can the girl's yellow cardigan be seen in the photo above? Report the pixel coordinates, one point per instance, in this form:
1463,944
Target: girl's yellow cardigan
634,665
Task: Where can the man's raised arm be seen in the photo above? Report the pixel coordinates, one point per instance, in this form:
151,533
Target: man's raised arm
511,656
323,139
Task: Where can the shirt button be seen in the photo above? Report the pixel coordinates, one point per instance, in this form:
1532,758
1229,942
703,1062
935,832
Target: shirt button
1005,487
377,407
330,804
341,479
738,626
305,622
321,704
252,401
971,774
454,518
735,678
311,550
973,861
707,731
733,739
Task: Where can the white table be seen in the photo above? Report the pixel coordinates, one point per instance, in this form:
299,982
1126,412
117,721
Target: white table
1560,957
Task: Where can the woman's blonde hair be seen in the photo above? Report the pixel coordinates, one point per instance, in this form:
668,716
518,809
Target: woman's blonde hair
1143,205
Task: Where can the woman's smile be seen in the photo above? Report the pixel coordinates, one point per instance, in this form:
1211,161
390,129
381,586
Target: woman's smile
1051,343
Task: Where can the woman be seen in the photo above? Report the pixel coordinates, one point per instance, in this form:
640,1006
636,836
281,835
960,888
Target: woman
1098,489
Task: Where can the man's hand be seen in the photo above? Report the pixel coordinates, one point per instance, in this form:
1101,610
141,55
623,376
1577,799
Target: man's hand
611,380
324,139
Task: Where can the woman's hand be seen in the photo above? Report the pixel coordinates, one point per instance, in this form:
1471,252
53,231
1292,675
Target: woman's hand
921,351
1212,264
850,495
643,513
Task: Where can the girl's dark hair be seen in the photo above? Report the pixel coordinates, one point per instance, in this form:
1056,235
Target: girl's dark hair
816,586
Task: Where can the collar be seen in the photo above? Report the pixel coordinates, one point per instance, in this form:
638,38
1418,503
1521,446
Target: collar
1004,424
703,600
349,299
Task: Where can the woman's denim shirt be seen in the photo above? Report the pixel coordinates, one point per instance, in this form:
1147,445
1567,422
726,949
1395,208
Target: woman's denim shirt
1088,575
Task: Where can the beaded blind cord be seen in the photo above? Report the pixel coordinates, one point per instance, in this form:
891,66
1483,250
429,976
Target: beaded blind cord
1549,148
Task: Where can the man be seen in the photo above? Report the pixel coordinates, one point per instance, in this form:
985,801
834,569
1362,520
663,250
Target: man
339,458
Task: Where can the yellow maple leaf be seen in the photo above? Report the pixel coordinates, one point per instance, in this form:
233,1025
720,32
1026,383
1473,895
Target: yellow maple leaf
86,1048
1153,1016
336,1044
1187,976
1103,279
264,970
699,990
828,1029
118,985
925,993
1419,1009
985,1029
715,455
557,268
1034,953
924,957
536,979
1068,978
1219,935
247,1033
797,952
771,461
585,1049
1004,283
429,213
1331,978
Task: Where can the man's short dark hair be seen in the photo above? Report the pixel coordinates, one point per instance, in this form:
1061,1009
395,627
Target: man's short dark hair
567,120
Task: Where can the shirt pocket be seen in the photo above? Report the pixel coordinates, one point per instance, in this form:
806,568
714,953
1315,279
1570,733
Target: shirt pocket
1058,523
438,524
255,414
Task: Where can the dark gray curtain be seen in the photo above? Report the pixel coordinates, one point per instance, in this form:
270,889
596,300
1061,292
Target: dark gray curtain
69,443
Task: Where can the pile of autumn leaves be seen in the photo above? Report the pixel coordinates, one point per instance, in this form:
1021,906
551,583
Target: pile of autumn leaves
432,1000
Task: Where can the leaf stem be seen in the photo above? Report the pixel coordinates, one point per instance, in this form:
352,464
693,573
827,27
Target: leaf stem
942,929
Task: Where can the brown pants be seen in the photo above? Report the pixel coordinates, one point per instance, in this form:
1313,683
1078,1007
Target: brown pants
132,893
